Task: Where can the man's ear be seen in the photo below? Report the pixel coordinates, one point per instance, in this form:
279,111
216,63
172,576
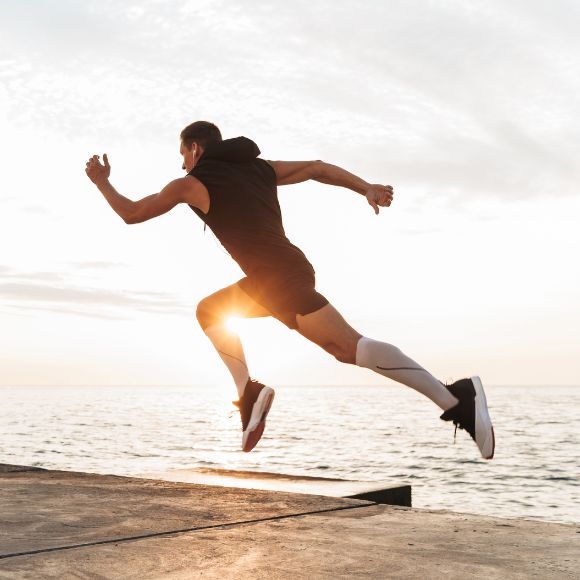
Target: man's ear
197,151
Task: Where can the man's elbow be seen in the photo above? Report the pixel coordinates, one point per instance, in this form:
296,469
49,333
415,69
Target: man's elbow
132,219
317,169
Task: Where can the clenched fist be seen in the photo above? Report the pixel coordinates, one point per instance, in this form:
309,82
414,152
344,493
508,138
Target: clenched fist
379,195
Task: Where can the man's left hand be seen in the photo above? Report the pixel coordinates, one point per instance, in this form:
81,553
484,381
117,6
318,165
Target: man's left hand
379,195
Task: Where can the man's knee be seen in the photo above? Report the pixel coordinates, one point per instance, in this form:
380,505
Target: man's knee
205,313
345,353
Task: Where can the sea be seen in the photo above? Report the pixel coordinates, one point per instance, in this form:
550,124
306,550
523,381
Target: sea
387,434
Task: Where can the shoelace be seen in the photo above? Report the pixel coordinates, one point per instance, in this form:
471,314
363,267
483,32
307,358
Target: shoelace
238,404
236,410
458,425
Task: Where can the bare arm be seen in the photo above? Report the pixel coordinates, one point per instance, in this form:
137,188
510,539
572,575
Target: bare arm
288,172
183,190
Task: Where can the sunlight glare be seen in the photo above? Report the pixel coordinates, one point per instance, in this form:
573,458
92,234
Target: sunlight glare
233,324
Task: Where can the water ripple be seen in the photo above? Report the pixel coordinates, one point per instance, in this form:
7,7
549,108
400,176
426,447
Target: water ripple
387,434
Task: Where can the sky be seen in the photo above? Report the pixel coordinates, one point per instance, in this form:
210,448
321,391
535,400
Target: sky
469,109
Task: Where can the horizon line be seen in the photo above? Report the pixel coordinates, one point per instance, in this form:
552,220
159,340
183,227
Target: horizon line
387,384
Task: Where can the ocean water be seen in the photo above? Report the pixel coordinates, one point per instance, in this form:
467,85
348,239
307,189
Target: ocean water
366,433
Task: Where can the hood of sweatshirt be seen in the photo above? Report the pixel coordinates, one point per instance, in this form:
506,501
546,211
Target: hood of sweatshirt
236,150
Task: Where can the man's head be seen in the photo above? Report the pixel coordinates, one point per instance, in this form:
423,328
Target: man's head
194,140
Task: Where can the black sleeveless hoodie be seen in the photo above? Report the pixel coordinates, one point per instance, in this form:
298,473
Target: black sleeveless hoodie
244,212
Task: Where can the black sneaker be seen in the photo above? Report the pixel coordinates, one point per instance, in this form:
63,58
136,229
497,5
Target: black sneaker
471,414
254,406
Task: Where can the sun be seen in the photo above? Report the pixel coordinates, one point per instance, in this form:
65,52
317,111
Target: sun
234,324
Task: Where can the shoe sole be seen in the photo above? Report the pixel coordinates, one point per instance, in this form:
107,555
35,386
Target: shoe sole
257,423
484,435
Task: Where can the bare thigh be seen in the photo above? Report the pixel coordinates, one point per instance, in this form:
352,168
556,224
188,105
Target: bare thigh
229,301
327,328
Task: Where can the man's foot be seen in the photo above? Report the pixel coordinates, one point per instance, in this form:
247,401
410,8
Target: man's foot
471,414
254,406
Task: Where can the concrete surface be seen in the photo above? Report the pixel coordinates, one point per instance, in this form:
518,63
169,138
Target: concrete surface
375,491
48,509
75,525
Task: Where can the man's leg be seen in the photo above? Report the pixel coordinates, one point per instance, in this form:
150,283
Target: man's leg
255,399
328,329
212,314
463,402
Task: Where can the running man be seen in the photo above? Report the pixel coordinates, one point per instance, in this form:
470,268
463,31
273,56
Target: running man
235,193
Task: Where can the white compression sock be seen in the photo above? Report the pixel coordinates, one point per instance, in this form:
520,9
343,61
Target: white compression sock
389,361
230,349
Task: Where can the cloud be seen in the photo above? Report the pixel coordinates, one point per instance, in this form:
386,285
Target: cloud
470,99
43,277
421,230
52,28
48,291
97,265
63,310
34,209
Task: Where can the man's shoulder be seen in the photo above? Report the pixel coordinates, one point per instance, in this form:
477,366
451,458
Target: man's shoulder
192,191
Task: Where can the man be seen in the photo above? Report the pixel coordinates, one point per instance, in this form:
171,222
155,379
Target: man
235,193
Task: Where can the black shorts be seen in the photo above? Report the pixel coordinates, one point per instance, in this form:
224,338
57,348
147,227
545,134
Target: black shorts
285,296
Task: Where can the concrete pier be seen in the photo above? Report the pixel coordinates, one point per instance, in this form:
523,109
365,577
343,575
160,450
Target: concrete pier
377,492
56,524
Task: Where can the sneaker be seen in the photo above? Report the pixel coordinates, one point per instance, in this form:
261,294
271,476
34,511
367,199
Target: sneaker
471,414
254,406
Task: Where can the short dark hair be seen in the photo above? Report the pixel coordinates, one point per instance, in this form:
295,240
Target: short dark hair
201,132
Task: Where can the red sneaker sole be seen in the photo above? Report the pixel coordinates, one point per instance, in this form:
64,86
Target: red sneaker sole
254,437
